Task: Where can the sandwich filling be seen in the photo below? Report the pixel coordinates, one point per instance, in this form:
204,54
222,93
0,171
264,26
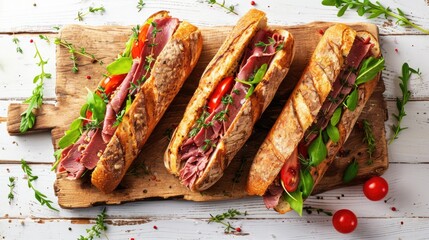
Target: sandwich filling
295,182
107,105
224,104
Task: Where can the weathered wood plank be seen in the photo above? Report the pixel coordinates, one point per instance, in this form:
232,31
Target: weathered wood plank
406,194
308,227
49,13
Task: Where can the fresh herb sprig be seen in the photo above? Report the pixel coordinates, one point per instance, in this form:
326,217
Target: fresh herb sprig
18,48
229,9
253,81
81,15
96,230
220,218
271,42
40,197
374,10
407,71
369,139
11,186
28,118
140,5
74,51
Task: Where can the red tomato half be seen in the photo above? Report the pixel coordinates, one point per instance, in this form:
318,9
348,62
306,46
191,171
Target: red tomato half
289,174
221,89
139,44
111,83
344,221
87,116
375,188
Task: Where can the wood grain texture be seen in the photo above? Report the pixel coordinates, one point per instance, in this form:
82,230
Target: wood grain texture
148,177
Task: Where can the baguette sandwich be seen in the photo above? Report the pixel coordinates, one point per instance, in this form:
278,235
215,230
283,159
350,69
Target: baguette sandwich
317,118
234,90
122,112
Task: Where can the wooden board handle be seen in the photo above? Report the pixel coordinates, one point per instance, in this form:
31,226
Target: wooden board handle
44,118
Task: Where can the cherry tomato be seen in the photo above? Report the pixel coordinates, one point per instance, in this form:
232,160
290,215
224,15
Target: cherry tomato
344,221
139,44
88,116
375,188
289,174
221,89
111,83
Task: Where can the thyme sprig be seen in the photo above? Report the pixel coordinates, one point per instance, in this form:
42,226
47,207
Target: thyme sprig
407,71
28,118
220,218
11,186
229,9
374,10
369,139
81,15
140,5
97,229
40,197
18,48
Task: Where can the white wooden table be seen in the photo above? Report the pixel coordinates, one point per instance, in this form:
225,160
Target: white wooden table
408,173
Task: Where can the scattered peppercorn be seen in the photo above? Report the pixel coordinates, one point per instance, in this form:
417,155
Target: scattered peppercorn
88,77
70,228
321,31
155,227
393,209
31,40
238,229
34,4
252,3
402,223
396,50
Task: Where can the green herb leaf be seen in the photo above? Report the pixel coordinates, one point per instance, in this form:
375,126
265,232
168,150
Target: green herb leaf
295,201
370,68
229,9
306,183
369,139
121,65
335,119
317,151
71,135
97,229
259,75
220,218
352,100
97,106
333,133
351,171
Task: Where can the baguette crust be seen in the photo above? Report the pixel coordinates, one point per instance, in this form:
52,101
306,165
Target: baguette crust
251,110
302,108
172,67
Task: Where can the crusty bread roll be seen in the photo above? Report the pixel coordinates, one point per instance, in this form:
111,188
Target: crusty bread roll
172,67
223,64
303,106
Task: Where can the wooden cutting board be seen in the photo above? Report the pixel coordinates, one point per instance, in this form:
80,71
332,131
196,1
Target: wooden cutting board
148,178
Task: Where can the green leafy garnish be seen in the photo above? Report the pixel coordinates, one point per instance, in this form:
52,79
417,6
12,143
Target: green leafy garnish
11,186
81,15
259,75
317,151
333,133
120,116
97,106
140,5
306,183
369,139
407,71
40,197
199,123
28,118
220,218
120,66
295,201
370,68
18,48
97,229
352,100
229,9
335,119
351,171
374,10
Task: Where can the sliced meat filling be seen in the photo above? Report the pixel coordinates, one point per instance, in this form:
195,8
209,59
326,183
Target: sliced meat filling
342,87
196,151
86,152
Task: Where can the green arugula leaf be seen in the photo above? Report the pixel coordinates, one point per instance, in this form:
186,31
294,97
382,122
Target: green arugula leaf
71,135
351,172
306,183
97,106
317,151
121,65
370,68
335,119
259,75
352,100
295,200
333,133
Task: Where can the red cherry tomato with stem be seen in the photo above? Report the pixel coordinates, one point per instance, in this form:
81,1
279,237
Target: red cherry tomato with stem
139,44
344,221
375,188
222,88
289,174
